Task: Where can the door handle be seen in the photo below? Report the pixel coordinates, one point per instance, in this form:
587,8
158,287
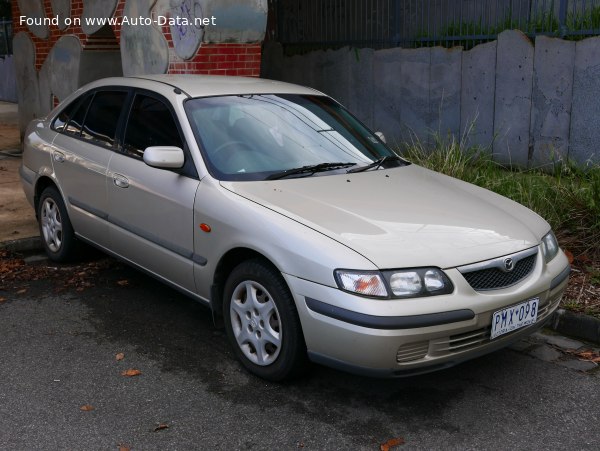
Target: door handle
120,180
59,157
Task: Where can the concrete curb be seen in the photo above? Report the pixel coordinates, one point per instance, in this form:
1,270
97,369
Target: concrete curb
33,243
576,325
562,321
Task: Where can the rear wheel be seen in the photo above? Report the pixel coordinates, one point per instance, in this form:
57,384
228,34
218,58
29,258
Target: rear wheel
262,322
56,231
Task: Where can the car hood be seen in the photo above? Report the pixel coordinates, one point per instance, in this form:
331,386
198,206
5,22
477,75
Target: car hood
403,217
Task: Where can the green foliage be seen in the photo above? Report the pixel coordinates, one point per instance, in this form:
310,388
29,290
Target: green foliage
594,276
469,34
567,196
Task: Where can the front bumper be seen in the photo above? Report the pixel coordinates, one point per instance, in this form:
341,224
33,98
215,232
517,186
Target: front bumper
388,338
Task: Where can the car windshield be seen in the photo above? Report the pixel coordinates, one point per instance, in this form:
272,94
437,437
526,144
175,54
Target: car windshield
259,137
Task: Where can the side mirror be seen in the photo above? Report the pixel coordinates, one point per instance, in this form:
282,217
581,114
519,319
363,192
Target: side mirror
164,157
381,136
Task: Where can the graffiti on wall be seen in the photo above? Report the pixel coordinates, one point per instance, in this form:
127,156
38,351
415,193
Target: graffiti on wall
58,76
34,9
186,34
61,9
27,79
144,49
240,21
96,9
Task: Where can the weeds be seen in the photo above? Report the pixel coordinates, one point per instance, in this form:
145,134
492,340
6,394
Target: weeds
577,25
568,197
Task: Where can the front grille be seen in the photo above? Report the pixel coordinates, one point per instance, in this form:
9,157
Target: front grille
495,278
461,342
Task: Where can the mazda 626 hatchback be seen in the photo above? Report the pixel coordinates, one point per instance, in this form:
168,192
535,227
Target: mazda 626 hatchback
306,235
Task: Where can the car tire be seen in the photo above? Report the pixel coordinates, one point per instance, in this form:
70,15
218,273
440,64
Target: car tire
262,322
56,231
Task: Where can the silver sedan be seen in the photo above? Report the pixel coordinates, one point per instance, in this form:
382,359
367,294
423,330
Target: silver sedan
304,233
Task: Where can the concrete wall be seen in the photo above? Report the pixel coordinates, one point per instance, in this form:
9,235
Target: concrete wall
529,105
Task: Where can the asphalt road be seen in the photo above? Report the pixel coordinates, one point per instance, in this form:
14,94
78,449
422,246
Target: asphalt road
57,354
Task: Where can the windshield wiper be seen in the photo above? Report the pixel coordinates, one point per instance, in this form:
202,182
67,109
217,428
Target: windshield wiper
311,169
376,164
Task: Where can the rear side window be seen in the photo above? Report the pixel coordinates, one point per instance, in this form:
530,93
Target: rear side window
76,119
150,123
102,117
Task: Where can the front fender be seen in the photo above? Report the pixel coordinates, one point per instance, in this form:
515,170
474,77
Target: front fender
237,222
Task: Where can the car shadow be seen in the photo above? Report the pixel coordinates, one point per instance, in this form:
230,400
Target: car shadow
178,333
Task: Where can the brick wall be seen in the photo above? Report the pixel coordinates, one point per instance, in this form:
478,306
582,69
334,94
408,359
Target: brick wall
221,59
213,59
43,46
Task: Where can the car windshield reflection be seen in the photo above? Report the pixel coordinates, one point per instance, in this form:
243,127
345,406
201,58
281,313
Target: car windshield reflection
252,137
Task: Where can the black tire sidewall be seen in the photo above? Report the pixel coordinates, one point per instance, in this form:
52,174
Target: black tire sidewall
292,359
67,248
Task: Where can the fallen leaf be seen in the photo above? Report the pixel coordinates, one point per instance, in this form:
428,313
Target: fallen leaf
387,446
123,283
86,408
23,291
124,448
585,355
583,258
161,426
131,372
120,356
569,256
2,299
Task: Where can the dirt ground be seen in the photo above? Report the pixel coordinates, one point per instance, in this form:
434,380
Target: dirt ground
17,218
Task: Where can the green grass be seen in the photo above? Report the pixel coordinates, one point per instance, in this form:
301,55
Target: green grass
594,276
568,197
544,22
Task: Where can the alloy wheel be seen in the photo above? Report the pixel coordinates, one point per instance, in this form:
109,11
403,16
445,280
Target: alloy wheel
52,228
256,323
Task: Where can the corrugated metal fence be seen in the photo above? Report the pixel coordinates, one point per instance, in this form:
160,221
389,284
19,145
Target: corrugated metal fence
303,25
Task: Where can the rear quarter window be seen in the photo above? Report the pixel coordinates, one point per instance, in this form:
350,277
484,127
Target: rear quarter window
62,119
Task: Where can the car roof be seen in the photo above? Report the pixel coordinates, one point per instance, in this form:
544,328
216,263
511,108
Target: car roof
211,85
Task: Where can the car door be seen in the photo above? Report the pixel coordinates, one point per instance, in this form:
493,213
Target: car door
81,152
150,209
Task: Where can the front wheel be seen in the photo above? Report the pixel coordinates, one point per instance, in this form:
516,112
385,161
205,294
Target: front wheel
262,323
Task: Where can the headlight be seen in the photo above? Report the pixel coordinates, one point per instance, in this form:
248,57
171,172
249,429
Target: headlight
409,283
418,282
549,246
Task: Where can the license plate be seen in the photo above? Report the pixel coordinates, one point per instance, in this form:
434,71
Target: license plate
515,317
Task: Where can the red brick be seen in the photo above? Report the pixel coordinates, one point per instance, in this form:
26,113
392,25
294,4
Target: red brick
253,49
228,57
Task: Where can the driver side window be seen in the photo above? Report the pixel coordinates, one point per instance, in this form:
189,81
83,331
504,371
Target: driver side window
150,123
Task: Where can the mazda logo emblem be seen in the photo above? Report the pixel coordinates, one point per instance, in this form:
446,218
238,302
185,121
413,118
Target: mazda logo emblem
509,264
